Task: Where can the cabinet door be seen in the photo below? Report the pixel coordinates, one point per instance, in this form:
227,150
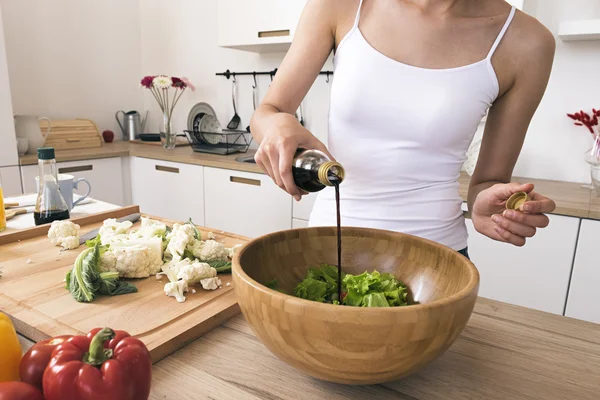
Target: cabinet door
584,296
535,275
104,175
8,149
236,22
169,190
303,208
245,203
10,179
299,223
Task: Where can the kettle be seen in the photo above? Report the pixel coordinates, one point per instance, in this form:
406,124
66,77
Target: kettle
132,124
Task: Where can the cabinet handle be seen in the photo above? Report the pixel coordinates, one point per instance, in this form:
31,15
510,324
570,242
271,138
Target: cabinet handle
80,168
245,181
267,34
166,169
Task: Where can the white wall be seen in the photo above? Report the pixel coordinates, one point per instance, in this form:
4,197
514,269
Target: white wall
179,38
74,59
8,147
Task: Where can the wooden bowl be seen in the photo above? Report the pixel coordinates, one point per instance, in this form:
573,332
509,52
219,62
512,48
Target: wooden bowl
355,345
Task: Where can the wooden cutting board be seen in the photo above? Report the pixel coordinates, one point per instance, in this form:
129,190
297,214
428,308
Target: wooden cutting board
34,295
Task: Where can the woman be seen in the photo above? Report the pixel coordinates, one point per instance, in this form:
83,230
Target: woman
413,79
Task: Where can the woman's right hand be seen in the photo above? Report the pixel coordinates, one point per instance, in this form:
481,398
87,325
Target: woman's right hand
278,146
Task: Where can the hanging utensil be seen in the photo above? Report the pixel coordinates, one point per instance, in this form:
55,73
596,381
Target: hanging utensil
235,121
254,92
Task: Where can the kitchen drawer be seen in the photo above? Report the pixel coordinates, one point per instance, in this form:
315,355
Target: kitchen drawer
10,180
169,190
302,209
299,223
584,296
105,176
245,203
535,275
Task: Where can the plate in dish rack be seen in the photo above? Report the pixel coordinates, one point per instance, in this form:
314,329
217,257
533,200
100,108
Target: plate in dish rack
198,111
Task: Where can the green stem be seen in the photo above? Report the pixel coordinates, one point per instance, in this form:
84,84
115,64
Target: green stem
97,354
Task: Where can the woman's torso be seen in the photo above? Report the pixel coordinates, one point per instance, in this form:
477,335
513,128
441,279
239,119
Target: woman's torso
402,132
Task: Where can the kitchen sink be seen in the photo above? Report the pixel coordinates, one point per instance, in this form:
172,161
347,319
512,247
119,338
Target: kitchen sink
246,159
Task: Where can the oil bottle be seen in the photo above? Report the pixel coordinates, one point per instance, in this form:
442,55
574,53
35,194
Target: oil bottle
50,204
313,170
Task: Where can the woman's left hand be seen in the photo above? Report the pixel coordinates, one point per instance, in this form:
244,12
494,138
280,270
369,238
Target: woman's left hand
491,218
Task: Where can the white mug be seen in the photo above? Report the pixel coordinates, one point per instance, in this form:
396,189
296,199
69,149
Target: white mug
66,184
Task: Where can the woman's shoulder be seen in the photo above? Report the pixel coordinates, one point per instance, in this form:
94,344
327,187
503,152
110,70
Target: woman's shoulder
530,38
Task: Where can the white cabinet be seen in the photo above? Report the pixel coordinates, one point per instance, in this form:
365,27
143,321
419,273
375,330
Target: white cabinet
245,203
258,25
105,176
10,179
169,190
8,140
584,295
535,275
299,223
302,209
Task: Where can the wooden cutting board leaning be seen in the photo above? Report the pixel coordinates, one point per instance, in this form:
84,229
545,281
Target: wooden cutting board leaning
33,294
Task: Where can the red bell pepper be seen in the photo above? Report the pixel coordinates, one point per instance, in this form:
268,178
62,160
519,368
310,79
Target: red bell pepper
34,362
19,391
102,365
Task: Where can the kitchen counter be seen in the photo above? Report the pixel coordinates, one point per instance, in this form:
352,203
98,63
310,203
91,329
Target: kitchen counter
572,199
505,352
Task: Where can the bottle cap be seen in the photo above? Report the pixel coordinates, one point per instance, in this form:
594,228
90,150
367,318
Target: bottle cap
46,153
329,171
516,200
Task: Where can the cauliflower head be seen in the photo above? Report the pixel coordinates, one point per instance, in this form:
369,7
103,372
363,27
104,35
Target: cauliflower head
150,228
64,233
136,261
111,228
108,261
212,250
191,271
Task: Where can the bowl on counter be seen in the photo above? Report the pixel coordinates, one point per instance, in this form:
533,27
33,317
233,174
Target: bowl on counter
355,345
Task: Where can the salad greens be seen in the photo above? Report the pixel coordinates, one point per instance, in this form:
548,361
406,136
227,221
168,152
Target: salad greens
85,281
369,289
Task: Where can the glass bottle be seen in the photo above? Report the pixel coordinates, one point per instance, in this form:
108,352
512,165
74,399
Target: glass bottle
50,204
2,211
313,170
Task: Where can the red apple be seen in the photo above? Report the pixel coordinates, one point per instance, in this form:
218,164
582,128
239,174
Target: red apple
108,136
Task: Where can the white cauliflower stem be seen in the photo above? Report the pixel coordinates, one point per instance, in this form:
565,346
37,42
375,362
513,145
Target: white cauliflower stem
179,239
64,233
176,289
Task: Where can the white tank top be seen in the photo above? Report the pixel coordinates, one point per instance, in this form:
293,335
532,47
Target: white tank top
402,133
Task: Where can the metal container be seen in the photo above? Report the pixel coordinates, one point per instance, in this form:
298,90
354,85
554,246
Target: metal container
132,124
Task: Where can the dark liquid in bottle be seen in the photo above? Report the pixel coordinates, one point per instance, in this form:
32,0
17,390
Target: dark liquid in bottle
307,180
336,184
46,217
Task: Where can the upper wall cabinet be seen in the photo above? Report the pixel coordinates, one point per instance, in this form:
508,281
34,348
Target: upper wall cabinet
259,25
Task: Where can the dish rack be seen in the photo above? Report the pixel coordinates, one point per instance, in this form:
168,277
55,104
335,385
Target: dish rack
228,141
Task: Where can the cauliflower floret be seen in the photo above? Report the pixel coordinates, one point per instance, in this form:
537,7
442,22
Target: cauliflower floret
194,272
150,228
211,236
111,228
64,233
136,261
211,283
176,289
108,261
233,250
212,251
179,239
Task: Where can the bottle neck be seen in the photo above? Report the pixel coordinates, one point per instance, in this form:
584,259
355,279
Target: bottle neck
47,171
330,173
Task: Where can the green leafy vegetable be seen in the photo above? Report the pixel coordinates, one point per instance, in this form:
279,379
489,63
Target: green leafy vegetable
94,241
369,289
220,266
197,234
85,281
274,285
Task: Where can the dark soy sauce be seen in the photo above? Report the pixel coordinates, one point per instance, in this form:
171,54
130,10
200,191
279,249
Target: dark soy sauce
46,217
336,184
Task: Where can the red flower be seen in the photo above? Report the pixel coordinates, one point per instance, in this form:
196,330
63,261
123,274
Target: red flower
147,82
178,83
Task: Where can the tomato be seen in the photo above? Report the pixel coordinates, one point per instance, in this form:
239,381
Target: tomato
19,391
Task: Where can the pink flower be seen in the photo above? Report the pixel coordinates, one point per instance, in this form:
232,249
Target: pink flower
178,83
147,81
187,83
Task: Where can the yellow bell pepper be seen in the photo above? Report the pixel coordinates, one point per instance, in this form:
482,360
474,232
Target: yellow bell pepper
10,350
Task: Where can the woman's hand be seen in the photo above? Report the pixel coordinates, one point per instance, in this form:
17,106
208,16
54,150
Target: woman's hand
275,154
491,218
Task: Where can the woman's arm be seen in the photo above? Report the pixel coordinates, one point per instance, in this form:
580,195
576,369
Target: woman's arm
506,126
273,124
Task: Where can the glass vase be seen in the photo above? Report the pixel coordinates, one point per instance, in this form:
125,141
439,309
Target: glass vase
168,138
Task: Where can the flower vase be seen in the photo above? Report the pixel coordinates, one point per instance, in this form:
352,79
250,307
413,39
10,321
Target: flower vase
167,137
593,159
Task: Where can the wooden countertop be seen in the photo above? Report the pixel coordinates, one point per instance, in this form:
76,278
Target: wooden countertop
505,352
572,199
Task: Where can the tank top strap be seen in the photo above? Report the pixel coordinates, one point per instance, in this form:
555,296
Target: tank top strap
502,32
357,19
